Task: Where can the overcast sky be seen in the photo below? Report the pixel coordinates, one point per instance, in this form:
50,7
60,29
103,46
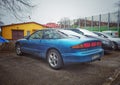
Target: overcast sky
54,10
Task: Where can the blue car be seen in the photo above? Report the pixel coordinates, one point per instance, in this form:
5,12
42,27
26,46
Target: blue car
59,49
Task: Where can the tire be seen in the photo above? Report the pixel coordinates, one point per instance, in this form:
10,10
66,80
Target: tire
114,46
18,50
54,59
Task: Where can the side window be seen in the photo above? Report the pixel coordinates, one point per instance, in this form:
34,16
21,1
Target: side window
36,35
56,35
48,34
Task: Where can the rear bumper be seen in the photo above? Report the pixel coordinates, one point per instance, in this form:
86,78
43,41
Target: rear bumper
85,56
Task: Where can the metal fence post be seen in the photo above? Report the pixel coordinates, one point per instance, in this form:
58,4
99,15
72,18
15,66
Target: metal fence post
118,21
99,22
108,21
85,22
92,23
79,23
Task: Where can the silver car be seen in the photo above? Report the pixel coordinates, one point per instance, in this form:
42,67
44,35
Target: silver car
115,40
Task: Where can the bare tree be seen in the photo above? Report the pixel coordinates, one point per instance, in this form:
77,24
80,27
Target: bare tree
64,22
19,8
118,4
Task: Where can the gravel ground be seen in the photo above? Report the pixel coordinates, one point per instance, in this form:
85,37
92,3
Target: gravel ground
31,70
116,81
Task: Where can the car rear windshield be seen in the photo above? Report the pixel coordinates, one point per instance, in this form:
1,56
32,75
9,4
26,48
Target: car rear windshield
60,35
53,34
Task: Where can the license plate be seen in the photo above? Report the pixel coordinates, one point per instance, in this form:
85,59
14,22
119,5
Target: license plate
95,57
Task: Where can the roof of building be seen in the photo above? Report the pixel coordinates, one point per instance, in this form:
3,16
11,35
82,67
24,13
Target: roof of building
23,23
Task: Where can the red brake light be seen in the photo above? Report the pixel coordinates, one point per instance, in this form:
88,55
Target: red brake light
87,45
99,43
116,33
93,44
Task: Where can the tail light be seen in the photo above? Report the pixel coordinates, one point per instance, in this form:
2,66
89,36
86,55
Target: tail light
116,33
78,46
99,43
93,44
87,45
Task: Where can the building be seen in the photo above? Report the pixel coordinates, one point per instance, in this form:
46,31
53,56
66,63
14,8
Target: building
52,25
17,31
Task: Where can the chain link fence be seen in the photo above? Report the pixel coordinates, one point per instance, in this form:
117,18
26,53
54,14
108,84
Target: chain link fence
101,22
109,21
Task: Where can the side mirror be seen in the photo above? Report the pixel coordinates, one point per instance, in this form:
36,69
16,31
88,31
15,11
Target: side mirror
26,37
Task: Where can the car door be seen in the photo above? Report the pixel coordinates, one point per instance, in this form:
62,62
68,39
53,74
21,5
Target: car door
33,42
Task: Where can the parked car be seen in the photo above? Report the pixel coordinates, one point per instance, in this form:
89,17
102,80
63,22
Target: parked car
59,49
112,33
106,43
116,41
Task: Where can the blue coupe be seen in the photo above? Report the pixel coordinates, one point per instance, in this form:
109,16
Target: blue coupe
58,49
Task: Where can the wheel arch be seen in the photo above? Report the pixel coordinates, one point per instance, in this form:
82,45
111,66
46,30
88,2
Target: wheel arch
60,63
54,49
51,49
115,44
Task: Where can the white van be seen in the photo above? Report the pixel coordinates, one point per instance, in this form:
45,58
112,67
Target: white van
113,33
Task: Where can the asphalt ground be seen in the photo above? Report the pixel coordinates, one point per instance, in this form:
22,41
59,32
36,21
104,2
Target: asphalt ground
32,70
